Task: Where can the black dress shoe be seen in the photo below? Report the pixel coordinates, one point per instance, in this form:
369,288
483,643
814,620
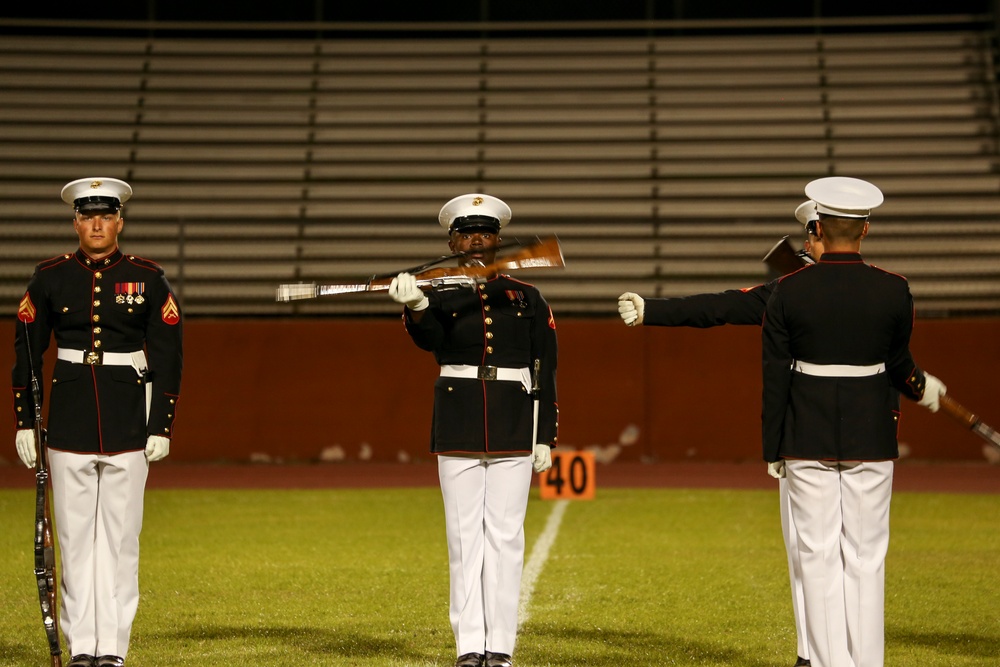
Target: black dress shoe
82,660
470,660
110,661
802,662
498,660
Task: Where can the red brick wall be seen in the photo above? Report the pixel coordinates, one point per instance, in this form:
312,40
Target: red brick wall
290,388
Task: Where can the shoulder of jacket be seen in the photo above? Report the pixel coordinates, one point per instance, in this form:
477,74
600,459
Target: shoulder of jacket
144,263
888,273
798,272
53,261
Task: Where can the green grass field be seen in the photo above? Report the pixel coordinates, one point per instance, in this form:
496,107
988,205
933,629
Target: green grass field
636,577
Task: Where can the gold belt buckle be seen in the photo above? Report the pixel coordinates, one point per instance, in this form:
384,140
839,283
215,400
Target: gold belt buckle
93,358
487,373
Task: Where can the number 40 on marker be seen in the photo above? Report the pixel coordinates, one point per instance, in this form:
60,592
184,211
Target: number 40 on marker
571,476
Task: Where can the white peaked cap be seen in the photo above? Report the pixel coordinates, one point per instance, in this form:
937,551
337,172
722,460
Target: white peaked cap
844,197
477,207
108,193
806,212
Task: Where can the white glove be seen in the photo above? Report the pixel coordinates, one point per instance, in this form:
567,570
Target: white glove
631,307
541,458
157,447
25,441
403,289
776,469
933,391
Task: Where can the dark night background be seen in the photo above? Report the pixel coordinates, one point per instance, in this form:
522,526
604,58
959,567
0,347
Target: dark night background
488,10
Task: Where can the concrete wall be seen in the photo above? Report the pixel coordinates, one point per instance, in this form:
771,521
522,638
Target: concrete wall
291,389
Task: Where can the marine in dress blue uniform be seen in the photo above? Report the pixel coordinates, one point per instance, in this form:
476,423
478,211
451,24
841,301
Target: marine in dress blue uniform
486,341
112,403
835,353
738,307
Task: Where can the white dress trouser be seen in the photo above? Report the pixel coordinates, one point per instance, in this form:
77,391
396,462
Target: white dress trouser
97,504
841,514
485,501
791,538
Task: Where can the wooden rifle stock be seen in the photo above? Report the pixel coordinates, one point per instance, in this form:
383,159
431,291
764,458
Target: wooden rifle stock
971,421
541,254
784,259
45,554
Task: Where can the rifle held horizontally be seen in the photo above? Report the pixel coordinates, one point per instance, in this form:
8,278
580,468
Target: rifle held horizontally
540,254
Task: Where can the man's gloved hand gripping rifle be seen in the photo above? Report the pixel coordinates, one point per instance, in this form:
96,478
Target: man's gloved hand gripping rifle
45,557
539,254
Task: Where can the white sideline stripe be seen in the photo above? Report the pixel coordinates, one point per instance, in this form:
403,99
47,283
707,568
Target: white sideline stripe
536,562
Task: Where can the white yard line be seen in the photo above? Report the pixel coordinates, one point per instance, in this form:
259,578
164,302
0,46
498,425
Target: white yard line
539,555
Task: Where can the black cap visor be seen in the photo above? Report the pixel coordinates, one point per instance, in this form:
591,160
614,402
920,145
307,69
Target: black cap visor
93,205
475,223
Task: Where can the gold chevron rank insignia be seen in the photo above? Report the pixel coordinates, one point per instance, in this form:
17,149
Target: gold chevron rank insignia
26,309
170,313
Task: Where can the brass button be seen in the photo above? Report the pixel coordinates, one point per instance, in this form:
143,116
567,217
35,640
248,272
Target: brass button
451,389
65,309
97,318
171,401
489,349
139,381
489,320
97,330
97,343
484,296
97,289
486,308
166,430
97,303
19,408
489,334
98,275
519,313
130,310
17,395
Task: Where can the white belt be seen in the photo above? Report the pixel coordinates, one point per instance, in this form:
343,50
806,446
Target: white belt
837,370
96,358
522,375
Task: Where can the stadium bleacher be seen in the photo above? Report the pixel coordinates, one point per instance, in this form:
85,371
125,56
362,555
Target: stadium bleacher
666,165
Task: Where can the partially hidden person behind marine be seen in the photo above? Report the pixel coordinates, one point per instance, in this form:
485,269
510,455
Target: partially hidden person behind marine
494,343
